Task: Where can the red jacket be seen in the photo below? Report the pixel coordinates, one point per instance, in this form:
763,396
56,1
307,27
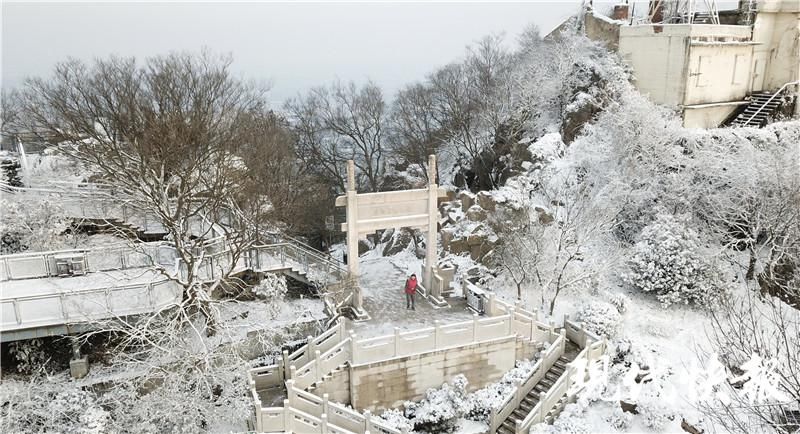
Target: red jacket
411,286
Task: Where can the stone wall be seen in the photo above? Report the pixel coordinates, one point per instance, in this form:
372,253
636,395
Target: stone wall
388,384
602,30
336,385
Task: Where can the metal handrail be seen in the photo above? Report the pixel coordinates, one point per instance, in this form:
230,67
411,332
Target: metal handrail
771,98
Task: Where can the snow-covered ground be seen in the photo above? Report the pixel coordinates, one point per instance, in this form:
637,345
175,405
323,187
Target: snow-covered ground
382,282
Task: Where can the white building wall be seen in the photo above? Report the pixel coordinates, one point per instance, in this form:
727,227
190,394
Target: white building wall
718,72
658,60
777,57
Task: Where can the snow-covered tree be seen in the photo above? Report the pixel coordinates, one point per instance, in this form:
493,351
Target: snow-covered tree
668,261
33,226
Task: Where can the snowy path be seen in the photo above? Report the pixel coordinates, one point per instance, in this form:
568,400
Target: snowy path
382,285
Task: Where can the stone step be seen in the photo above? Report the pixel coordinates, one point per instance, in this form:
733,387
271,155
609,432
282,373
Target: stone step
519,414
554,373
532,398
503,429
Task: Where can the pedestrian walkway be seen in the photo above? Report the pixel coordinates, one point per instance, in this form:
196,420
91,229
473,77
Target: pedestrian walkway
382,284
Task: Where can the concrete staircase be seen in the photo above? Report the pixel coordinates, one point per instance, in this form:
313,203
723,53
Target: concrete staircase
127,229
761,107
532,398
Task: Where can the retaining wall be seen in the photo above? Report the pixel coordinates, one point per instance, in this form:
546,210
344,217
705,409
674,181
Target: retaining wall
387,384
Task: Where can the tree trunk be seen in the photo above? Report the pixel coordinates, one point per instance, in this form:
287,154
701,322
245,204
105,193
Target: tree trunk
751,266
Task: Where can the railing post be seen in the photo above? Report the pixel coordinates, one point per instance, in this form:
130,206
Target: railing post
493,420
325,403
510,320
318,367
290,394
292,372
563,340
324,423
367,421
491,308
311,346
517,392
474,327
397,341
437,339
353,348
542,412
287,416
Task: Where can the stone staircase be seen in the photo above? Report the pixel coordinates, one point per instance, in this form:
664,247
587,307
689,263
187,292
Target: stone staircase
532,398
124,228
761,107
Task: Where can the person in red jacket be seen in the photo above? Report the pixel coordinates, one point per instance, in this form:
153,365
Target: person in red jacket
411,289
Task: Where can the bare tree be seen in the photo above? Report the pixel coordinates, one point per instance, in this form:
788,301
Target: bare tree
292,195
166,135
343,122
769,328
416,130
548,246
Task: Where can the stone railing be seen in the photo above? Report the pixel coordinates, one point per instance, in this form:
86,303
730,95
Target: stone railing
114,257
85,305
312,362
526,324
552,402
303,412
309,365
316,267
513,401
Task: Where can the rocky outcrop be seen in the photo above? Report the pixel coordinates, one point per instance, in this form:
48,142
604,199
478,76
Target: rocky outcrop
399,240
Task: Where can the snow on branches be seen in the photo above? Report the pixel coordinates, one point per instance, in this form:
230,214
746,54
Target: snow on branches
667,261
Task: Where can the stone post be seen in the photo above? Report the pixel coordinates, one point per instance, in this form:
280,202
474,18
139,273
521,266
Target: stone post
310,345
542,412
491,307
352,232
510,320
367,421
474,327
397,341
353,348
323,423
431,258
78,366
287,416
325,403
290,395
317,366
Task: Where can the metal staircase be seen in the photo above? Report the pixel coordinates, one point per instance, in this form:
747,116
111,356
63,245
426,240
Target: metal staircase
533,397
762,106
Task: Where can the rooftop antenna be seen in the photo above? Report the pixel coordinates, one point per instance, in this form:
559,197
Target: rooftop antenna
683,12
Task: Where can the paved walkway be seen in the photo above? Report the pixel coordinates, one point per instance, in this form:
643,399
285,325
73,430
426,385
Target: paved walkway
382,284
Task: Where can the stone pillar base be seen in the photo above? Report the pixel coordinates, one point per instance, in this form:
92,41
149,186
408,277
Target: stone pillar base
79,368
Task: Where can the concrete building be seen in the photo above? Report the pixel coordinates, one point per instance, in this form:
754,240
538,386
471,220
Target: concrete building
707,70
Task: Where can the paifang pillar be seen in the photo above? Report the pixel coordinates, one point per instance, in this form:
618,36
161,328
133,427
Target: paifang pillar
352,231
431,256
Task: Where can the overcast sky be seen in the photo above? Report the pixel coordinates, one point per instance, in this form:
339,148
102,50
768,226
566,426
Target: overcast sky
291,45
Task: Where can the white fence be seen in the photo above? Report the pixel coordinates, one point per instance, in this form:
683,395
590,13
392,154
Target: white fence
512,402
81,306
304,412
120,257
527,325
